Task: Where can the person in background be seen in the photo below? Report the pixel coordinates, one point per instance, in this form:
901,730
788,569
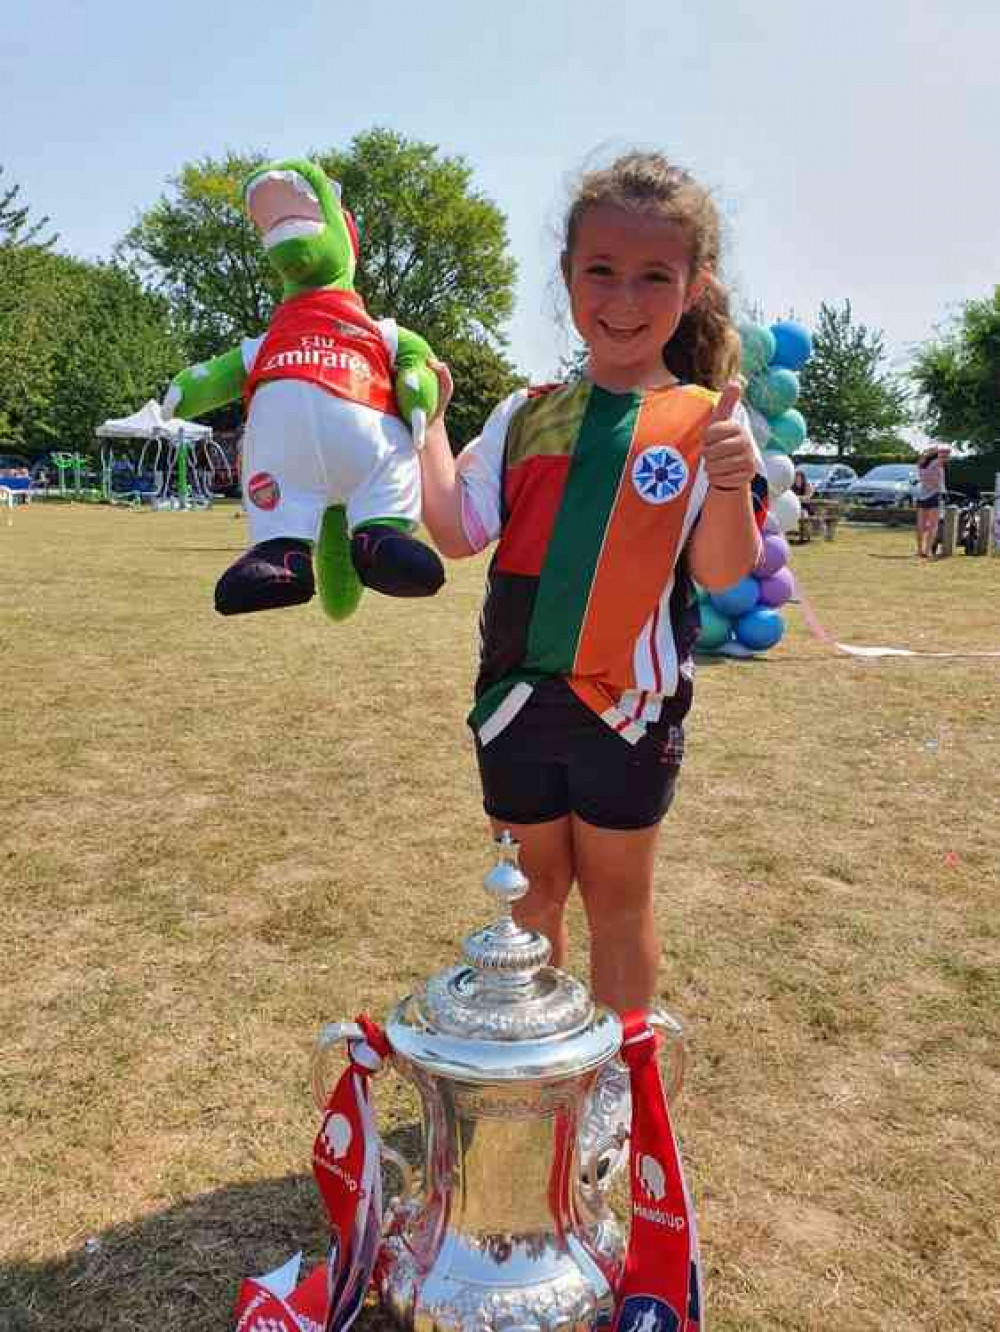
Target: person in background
930,494
802,487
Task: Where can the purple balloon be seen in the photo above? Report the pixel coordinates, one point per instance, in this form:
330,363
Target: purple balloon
773,555
778,588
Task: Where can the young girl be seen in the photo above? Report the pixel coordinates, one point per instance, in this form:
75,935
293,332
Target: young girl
607,495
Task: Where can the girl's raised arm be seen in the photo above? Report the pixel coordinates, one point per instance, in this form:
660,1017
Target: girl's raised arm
442,491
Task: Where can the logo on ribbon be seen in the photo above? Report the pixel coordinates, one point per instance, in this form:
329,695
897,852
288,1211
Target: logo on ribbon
653,1177
337,1135
659,474
645,1313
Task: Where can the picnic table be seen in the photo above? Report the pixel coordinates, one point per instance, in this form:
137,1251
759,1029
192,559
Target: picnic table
819,519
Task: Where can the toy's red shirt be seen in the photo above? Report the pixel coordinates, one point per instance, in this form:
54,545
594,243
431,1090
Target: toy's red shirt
327,338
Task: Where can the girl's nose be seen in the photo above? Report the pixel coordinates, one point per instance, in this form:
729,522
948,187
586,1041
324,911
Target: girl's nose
627,295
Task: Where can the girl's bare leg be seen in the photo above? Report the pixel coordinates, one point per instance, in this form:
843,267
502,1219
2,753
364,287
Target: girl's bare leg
615,874
547,859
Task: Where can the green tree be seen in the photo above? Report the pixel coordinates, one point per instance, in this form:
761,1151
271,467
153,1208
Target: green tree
433,250
959,377
78,342
850,400
483,376
15,229
433,254
199,251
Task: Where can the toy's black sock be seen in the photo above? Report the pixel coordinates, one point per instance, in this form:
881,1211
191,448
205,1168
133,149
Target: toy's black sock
268,576
394,562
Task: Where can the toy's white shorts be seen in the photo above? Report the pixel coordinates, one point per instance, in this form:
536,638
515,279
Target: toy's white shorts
305,449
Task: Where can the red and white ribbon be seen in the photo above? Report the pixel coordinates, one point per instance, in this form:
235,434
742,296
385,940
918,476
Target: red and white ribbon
661,1289
346,1157
818,630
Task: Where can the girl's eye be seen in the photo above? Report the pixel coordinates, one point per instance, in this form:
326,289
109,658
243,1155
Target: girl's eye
661,277
599,270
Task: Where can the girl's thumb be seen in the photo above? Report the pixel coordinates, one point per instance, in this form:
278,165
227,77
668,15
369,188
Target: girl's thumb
728,401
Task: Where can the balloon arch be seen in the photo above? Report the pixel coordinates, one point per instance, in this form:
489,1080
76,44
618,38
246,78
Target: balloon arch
746,619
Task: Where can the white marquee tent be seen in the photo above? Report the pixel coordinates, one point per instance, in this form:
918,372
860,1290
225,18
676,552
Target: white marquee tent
149,423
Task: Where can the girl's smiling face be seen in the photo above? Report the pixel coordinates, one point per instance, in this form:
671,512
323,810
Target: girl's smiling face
629,280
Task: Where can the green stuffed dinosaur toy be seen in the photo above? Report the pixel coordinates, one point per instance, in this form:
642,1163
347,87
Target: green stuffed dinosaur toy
327,461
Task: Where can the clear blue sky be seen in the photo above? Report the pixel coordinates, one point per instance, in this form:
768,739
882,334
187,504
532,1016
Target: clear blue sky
854,146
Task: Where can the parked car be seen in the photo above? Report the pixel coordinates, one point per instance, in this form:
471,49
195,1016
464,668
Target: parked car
887,486
828,480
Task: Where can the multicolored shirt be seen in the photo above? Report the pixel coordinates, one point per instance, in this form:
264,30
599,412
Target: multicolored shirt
593,496
327,337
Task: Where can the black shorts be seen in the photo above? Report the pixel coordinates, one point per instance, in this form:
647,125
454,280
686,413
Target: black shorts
931,502
557,758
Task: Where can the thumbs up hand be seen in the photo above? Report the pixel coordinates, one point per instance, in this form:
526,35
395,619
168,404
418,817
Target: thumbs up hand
727,449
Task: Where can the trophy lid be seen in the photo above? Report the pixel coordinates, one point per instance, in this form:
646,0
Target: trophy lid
504,1013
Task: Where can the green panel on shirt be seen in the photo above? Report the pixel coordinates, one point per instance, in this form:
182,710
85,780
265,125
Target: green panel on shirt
602,449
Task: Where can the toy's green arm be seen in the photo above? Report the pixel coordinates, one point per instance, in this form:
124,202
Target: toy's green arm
416,385
201,388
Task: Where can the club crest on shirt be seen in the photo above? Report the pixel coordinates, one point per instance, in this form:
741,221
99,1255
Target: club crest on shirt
659,474
263,491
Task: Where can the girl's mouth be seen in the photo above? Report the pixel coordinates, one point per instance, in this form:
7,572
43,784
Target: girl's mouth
621,334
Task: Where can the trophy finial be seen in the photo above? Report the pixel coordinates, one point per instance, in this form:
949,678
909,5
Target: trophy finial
506,880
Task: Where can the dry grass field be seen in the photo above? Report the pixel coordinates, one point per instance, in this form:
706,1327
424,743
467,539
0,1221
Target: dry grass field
217,835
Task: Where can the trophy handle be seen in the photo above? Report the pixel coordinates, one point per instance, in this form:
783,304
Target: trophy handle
674,1054
332,1034
593,1185
409,1179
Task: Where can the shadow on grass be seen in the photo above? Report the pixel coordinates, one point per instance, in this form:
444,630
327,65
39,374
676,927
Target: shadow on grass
177,1270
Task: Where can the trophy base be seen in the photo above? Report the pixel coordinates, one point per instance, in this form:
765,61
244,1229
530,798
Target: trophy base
504,1283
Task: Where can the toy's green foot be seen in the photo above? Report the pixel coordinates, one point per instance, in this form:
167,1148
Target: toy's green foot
268,576
395,563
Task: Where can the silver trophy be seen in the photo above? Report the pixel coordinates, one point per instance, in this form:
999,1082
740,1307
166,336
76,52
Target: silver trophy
524,1106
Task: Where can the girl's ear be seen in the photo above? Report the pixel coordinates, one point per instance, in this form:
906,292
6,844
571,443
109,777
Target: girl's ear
564,264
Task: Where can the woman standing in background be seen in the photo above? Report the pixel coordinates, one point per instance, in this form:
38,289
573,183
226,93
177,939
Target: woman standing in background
930,492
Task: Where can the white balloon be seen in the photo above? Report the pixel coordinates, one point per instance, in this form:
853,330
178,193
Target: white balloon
772,525
787,511
780,472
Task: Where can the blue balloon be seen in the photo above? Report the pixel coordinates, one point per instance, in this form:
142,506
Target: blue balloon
774,391
792,345
715,629
759,629
738,599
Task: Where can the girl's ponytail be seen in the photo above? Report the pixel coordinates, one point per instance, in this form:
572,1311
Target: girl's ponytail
705,349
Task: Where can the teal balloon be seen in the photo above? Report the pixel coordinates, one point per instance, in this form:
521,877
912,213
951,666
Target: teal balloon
757,347
715,629
792,344
774,390
760,629
788,431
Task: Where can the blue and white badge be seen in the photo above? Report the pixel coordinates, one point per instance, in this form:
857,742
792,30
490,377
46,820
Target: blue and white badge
645,1313
659,474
